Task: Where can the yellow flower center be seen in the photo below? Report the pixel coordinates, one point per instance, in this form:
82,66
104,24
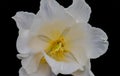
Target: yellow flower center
56,50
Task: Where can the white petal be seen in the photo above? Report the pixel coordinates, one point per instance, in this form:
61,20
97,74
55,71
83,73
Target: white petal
76,40
50,9
24,19
22,72
22,42
99,41
61,67
80,10
78,32
31,63
86,72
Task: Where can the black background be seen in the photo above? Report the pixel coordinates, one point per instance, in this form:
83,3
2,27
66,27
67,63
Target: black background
105,15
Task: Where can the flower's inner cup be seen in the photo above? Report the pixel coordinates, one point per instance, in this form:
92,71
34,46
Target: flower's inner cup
54,38
51,37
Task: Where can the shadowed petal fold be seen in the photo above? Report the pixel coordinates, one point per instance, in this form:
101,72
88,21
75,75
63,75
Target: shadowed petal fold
22,72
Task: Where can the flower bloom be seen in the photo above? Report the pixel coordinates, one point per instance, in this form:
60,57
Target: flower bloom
58,40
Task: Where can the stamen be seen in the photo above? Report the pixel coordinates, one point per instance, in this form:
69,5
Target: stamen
56,50
43,60
65,31
44,38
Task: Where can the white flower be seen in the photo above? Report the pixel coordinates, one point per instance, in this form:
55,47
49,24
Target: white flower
58,40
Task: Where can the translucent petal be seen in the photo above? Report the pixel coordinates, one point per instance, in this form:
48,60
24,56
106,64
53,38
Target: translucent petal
24,19
99,43
61,67
80,10
44,70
